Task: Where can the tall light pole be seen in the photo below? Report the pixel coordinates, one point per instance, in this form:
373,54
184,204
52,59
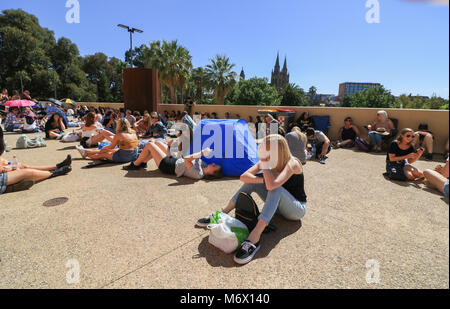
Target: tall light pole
131,31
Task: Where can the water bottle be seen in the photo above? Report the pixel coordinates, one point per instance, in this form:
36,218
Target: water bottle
15,163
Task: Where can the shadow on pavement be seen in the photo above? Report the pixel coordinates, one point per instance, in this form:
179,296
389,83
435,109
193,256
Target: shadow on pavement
216,258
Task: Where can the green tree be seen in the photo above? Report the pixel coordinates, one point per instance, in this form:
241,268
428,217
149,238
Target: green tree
254,91
173,62
221,77
374,97
293,95
312,92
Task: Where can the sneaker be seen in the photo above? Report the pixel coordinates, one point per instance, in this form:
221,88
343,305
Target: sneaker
82,151
204,222
246,253
60,136
133,167
322,160
20,186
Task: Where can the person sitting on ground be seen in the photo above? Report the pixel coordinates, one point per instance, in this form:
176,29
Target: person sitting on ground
281,188
214,115
54,127
401,155
298,143
321,142
156,129
348,133
424,137
272,125
12,121
109,121
304,122
92,131
25,176
129,116
16,95
382,126
141,126
227,115
125,139
439,178
4,95
137,115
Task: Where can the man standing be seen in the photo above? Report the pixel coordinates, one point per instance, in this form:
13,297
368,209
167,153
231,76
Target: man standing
188,106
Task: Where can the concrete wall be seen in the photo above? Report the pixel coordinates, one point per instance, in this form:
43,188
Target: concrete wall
437,120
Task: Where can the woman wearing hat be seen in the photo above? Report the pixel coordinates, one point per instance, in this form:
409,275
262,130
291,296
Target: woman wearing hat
379,128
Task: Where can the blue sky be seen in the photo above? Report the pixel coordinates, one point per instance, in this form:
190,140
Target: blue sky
326,41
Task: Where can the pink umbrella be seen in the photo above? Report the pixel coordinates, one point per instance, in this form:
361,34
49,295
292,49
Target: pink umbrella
19,103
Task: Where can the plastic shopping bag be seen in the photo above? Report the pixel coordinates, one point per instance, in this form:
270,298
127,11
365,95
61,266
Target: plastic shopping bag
227,233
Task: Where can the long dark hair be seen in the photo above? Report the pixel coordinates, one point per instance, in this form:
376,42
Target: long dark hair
2,142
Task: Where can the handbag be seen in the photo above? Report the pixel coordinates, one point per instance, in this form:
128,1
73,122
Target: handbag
226,233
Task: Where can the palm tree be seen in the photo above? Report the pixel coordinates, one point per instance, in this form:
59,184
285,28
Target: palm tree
200,82
312,94
173,63
220,77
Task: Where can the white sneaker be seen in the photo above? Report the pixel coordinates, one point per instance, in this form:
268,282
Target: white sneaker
82,151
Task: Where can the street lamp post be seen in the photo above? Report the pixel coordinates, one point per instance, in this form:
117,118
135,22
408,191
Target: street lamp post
131,31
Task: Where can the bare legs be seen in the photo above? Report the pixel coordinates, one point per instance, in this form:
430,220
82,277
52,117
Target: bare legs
436,179
412,173
104,134
32,174
157,151
99,154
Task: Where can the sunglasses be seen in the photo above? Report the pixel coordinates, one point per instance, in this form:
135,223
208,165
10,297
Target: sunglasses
348,120
154,117
409,136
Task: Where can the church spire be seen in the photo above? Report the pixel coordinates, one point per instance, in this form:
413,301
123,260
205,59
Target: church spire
277,64
242,74
285,65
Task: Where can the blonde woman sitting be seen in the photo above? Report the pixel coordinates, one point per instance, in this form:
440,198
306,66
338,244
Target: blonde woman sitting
126,141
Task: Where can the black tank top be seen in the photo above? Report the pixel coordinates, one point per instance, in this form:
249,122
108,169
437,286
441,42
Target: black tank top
295,186
348,134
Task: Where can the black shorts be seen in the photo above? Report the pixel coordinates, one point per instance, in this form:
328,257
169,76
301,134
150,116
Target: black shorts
167,165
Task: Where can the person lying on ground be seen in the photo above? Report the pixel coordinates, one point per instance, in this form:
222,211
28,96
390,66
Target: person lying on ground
321,142
400,157
25,176
191,166
126,140
348,134
281,188
439,178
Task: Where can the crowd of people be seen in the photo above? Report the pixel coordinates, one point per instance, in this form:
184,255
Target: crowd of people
126,137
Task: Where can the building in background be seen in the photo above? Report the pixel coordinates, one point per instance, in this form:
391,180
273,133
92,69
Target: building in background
352,88
242,75
280,78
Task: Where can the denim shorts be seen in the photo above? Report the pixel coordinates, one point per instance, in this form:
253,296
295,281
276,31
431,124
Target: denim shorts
446,189
125,156
3,182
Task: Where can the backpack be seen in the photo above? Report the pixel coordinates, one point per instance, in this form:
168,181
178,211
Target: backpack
247,212
362,144
29,120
